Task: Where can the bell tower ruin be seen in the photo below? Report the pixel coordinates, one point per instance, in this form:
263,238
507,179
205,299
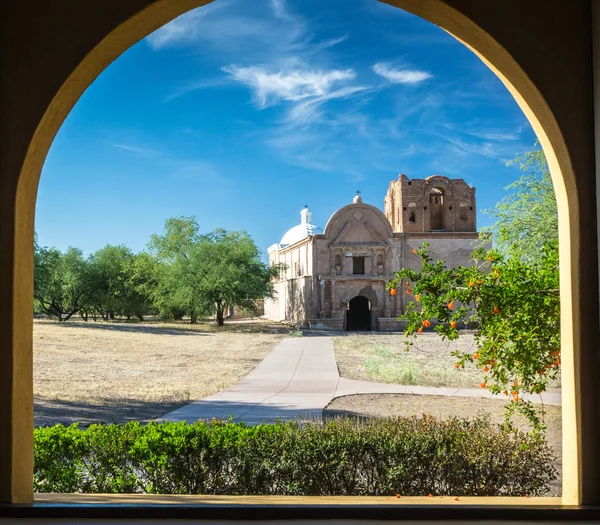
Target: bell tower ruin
434,204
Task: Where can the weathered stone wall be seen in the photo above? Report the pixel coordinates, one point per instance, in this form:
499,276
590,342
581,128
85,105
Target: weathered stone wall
292,302
434,203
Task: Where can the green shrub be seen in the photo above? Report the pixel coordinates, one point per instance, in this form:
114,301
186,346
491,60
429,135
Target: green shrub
410,456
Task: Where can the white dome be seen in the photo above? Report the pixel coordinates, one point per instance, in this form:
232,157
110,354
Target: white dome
302,230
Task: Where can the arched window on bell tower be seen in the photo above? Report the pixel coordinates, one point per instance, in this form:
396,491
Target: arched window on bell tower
436,209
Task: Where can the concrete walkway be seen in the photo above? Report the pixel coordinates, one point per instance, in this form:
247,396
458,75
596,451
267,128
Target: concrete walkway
298,379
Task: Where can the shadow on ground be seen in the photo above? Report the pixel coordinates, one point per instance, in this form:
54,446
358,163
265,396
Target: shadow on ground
48,412
175,328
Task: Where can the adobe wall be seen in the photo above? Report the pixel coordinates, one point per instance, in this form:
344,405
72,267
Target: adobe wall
411,205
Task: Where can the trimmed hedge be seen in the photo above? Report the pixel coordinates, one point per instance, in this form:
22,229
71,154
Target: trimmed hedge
410,456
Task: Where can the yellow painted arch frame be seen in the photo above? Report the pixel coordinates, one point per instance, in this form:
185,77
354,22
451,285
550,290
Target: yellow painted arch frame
579,295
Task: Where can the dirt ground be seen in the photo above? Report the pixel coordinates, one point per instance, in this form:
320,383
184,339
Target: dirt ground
428,362
116,372
399,405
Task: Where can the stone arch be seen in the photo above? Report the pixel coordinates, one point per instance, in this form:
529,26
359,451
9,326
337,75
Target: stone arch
438,185
366,291
436,208
359,314
97,32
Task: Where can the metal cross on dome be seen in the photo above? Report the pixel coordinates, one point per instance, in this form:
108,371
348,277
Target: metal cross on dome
358,192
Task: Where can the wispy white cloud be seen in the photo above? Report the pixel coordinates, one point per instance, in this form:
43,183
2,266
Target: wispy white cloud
280,10
400,76
184,29
271,87
142,151
188,87
308,111
197,170
486,148
176,167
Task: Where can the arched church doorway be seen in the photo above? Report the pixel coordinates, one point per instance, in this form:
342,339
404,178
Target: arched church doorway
358,316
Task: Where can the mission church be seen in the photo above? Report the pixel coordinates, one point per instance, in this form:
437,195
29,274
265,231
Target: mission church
336,278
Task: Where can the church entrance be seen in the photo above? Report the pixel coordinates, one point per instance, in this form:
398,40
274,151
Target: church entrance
358,316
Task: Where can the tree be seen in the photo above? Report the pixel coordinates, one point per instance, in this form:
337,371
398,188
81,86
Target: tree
512,304
59,281
114,285
204,274
527,218
229,273
176,292
510,295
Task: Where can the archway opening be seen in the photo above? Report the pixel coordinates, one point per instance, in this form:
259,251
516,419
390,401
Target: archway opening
551,139
436,213
358,316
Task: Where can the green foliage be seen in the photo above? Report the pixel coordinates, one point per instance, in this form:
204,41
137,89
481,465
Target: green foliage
184,273
204,274
527,218
510,295
60,282
409,456
116,284
512,304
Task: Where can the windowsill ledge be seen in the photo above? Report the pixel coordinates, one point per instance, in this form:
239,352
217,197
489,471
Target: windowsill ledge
150,506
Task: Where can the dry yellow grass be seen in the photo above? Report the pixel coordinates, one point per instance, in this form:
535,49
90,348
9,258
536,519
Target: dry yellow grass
113,372
383,358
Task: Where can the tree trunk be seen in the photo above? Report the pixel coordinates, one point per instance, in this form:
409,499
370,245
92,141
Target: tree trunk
193,318
220,321
112,316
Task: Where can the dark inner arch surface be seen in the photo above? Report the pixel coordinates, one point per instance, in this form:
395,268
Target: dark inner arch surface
358,316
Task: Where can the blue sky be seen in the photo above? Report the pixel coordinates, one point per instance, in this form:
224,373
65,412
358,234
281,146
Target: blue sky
240,113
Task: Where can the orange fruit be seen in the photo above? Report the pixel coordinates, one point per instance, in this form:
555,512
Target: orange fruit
415,252
451,305
420,330
426,323
496,310
485,368
453,324
475,355
393,291
483,385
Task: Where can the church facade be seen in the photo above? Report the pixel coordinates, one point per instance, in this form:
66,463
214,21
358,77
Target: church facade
336,278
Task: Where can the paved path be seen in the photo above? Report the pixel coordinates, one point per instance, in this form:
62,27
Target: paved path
299,376
298,379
